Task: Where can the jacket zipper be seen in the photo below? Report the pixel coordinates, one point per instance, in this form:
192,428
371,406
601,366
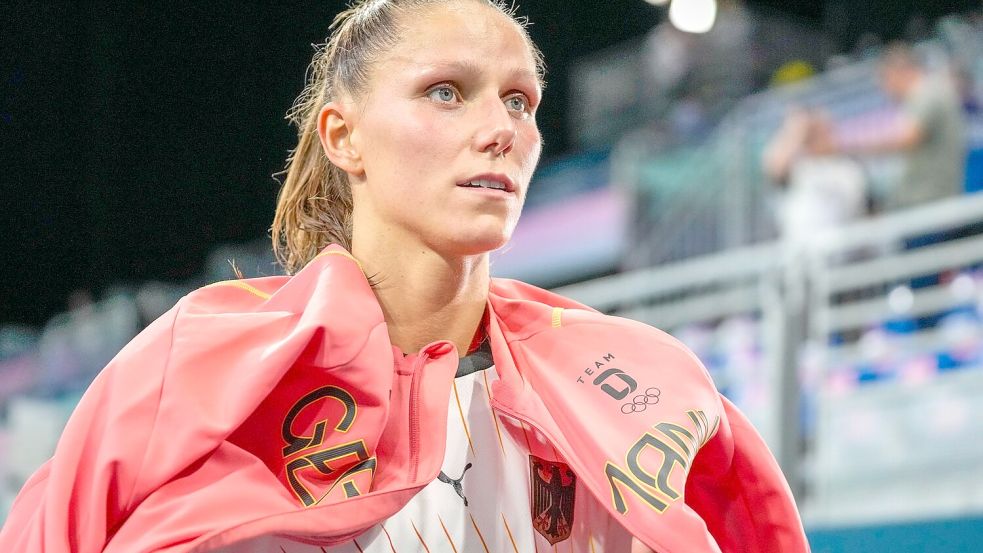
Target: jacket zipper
415,416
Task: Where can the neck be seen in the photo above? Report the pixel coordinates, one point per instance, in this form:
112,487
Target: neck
426,296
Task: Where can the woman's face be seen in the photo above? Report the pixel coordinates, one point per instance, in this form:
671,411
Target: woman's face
446,132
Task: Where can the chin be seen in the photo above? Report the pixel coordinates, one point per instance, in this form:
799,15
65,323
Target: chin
477,243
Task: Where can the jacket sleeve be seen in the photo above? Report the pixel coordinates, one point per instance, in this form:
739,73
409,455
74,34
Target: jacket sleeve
76,500
737,487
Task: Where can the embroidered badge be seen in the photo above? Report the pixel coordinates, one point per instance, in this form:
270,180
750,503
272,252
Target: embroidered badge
553,486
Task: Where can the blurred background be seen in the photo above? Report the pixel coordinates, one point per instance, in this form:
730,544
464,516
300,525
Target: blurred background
786,186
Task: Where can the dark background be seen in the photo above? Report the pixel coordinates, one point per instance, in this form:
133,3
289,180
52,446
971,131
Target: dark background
137,137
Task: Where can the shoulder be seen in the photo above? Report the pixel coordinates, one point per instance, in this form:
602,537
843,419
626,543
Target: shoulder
333,276
204,317
564,311
509,290
232,296
645,339
527,311
192,320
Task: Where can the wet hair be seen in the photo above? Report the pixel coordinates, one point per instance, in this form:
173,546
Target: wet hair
314,208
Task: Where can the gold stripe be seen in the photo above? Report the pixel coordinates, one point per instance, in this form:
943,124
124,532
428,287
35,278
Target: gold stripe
247,287
464,422
492,412
480,537
510,533
446,533
391,546
419,536
342,254
557,317
590,540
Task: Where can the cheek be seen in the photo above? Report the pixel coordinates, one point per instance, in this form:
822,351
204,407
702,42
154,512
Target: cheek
532,146
400,134
410,144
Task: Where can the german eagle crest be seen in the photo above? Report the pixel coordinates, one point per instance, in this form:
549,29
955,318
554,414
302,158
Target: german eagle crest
553,485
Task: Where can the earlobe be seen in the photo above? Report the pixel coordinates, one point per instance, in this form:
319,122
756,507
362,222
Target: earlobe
335,132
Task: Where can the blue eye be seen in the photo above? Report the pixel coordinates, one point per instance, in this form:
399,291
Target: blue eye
517,103
442,93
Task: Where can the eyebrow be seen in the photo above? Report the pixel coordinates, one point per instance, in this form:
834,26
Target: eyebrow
471,69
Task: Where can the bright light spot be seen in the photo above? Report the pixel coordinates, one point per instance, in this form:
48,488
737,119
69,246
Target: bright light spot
693,16
658,2
962,287
901,300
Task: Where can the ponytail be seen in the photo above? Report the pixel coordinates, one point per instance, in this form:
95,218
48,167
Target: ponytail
314,207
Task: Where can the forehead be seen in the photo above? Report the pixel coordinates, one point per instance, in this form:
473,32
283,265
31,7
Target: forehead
464,34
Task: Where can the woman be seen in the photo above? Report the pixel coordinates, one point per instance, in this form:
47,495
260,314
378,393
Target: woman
390,396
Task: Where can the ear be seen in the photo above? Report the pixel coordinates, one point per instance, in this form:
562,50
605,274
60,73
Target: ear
334,128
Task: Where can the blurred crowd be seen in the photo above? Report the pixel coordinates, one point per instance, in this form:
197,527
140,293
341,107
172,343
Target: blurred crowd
819,173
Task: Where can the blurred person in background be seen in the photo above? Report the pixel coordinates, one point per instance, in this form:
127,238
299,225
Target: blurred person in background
930,131
390,393
818,190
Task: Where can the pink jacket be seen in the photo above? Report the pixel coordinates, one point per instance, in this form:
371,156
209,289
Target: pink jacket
278,406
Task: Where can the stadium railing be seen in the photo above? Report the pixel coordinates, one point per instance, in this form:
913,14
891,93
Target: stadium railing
869,345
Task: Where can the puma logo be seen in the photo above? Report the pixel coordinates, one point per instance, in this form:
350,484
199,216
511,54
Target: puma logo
456,483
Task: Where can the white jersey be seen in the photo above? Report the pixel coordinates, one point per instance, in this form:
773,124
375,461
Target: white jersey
502,489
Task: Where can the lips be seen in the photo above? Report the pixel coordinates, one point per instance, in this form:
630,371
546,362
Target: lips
489,181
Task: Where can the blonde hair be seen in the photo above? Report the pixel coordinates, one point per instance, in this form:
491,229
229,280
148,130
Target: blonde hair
314,208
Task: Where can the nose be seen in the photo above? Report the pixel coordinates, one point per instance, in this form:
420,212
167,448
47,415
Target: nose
497,131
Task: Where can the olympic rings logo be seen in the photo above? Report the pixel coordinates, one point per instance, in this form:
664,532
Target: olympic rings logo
640,403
